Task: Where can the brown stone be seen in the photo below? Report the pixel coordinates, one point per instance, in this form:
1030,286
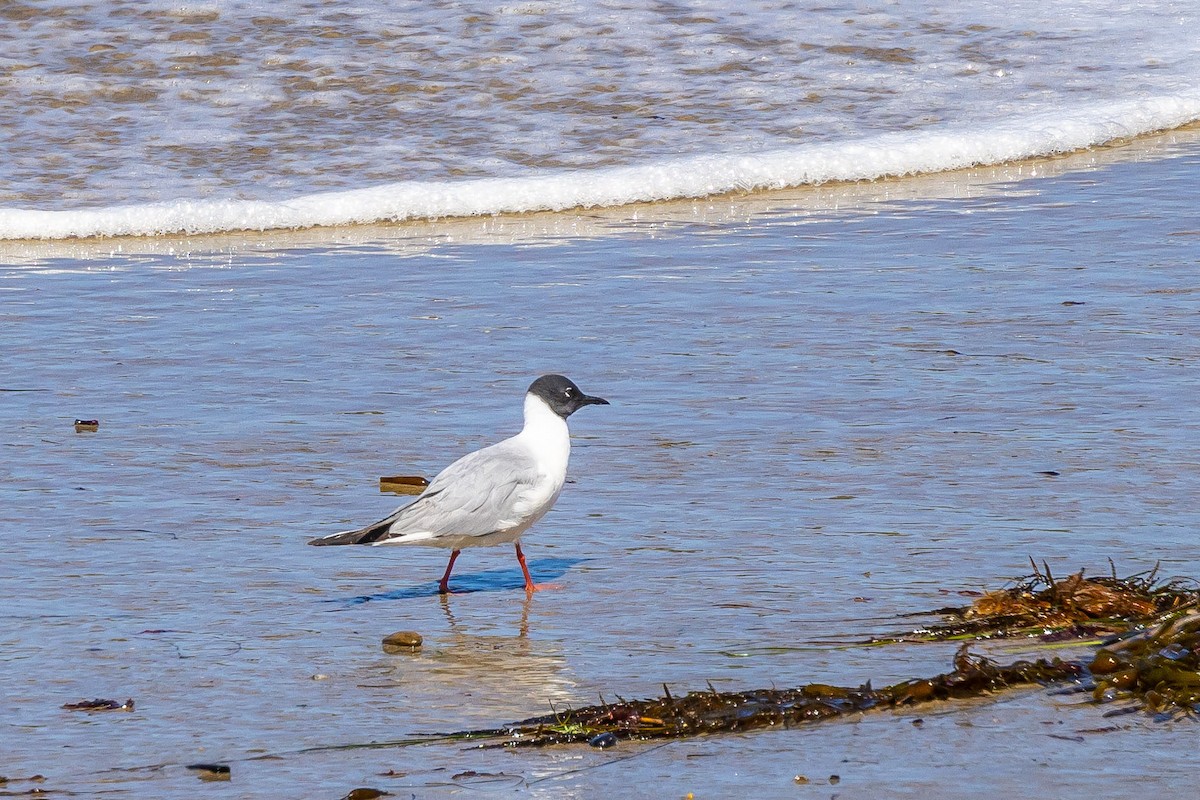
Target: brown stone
402,642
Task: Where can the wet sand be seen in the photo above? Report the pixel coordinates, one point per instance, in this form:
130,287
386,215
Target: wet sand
850,392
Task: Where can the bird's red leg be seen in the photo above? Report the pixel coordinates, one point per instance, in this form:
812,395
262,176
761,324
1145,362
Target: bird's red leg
530,587
444,584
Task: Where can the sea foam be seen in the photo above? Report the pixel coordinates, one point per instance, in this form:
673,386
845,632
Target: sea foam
894,154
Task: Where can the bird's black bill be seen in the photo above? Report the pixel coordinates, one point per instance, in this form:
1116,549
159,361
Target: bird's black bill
576,401
562,396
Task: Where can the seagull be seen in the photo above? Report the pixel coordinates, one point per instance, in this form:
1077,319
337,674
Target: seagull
493,495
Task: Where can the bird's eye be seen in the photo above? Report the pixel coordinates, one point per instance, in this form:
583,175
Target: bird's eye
569,393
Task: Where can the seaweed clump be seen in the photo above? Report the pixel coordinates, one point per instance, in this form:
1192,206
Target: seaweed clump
1076,606
1158,671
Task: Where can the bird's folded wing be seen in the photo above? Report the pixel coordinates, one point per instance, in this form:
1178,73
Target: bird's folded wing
477,495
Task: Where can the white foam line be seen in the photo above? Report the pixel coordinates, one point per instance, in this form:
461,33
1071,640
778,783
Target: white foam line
885,155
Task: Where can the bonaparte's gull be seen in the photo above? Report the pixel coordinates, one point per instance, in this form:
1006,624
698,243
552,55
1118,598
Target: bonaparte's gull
493,495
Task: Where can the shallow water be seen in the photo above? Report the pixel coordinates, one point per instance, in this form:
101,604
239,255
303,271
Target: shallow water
828,408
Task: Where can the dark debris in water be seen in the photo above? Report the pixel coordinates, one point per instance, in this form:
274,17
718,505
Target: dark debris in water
1154,668
403,484
211,772
100,705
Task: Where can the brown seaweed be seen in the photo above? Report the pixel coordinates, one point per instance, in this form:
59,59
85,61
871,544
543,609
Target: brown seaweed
1076,606
707,712
1151,660
1156,670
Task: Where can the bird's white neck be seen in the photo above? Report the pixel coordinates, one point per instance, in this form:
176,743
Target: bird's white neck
547,435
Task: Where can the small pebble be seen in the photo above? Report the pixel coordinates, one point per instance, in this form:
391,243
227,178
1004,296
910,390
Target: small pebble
365,793
800,779
320,676
834,779
82,425
603,740
402,642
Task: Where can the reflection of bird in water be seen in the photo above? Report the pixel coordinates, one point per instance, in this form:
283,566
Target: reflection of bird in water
464,679
493,495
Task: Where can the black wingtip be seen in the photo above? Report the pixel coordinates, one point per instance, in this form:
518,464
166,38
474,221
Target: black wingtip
368,535
345,537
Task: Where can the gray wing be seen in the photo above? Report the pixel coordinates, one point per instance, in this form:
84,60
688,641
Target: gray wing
474,496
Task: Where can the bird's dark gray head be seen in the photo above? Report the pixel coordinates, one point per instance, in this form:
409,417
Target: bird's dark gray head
563,396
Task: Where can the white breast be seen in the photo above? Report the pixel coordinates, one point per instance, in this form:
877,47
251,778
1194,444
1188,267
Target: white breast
546,437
